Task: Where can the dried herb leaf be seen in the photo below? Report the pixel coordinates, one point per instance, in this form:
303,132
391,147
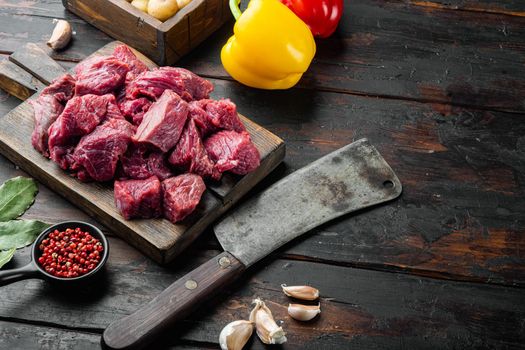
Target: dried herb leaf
19,233
16,196
6,255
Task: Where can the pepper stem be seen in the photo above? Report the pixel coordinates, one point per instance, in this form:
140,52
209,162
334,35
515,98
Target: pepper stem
234,7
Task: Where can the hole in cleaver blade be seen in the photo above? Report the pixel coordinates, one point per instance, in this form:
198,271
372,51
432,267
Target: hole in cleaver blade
351,178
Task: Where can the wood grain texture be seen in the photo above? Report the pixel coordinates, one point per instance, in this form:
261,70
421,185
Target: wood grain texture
157,238
8,101
34,59
462,170
460,157
360,308
460,216
33,22
16,336
17,81
505,7
393,49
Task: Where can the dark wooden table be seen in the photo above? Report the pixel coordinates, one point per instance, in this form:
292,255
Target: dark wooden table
439,88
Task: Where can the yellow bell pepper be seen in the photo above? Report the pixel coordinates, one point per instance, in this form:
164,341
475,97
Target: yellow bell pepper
271,47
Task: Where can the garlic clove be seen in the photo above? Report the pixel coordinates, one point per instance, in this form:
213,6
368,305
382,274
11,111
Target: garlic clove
267,330
301,292
61,35
235,335
303,312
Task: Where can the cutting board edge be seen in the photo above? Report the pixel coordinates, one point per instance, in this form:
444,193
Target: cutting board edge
166,251
268,164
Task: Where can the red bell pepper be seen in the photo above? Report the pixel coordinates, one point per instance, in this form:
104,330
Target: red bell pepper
322,16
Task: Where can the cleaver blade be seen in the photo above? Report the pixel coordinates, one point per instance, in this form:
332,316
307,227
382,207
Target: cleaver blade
351,178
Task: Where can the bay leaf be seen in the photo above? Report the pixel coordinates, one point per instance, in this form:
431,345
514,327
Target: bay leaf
6,256
19,233
16,196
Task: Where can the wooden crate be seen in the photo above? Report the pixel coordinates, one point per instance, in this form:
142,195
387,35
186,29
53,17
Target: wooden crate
163,42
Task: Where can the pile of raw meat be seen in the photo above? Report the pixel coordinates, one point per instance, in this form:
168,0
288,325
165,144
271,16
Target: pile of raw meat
155,132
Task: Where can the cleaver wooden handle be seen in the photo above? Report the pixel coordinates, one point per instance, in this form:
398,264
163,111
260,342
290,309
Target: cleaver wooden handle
176,302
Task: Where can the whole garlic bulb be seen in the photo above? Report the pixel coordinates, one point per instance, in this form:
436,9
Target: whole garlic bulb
267,330
235,335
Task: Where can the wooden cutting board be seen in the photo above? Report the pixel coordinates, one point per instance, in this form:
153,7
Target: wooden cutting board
158,238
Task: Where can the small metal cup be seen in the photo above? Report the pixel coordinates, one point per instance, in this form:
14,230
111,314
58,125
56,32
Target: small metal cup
34,270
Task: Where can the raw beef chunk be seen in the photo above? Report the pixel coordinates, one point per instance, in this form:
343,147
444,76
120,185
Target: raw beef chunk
185,83
163,122
100,75
211,116
136,66
189,154
139,163
113,112
182,154
134,110
116,119
81,116
158,165
182,194
99,152
62,88
135,163
233,151
47,107
139,198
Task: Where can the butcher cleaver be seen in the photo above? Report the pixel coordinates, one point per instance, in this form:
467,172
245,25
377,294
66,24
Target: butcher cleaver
351,178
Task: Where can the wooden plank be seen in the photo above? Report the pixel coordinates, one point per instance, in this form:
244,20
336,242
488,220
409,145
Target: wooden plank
50,207
394,49
28,337
458,217
17,81
205,21
175,41
17,336
17,30
462,169
33,58
42,8
359,309
189,27
382,48
504,7
7,102
157,238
